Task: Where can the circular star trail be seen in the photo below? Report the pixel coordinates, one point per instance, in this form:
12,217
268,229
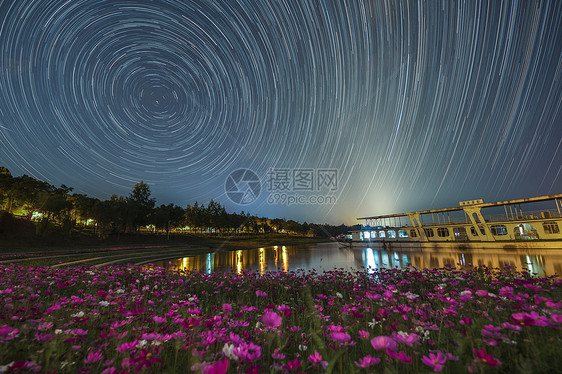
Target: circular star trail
416,104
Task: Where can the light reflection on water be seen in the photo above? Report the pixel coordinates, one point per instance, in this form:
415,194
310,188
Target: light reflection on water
328,256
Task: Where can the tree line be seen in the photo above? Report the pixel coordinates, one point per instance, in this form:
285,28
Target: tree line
50,206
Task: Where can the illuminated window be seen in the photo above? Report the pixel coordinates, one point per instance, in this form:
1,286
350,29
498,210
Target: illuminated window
460,233
402,234
382,234
551,228
367,235
373,234
391,234
442,232
429,233
498,229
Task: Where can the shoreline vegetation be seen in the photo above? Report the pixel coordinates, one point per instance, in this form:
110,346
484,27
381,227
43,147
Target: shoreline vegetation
36,215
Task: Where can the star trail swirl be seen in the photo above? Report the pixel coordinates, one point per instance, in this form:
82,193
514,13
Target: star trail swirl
416,104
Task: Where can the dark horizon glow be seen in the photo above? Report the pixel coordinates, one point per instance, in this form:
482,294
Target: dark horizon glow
417,105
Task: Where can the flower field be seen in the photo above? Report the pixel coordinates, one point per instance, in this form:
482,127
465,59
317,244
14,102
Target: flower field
129,320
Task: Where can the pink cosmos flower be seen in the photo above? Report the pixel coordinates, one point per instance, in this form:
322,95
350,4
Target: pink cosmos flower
490,331
511,326
127,346
399,355
340,337
363,334
373,296
435,361
506,291
367,361
486,358
316,358
93,357
405,338
528,319
465,321
292,365
227,308
260,293
7,333
271,319
43,337
278,355
384,342
24,365
219,367
556,318
76,332
284,309
159,319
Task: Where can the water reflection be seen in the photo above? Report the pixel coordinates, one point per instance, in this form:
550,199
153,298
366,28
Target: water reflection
328,256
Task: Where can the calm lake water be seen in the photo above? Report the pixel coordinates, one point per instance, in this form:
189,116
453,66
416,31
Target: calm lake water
329,256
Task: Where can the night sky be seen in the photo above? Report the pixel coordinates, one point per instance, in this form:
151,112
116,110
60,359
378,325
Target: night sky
415,105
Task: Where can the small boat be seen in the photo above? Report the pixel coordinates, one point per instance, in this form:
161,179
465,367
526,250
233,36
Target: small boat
508,226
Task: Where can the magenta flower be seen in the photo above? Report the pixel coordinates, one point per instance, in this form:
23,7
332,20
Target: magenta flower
8,333
277,355
271,319
399,356
511,326
363,334
435,361
405,338
367,361
482,356
43,337
93,357
316,358
292,365
384,342
340,337
227,308
528,319
285,310
159,319
260,293
127,346
219,367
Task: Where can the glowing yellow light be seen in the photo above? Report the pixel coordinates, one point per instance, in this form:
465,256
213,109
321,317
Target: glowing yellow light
285,258
262,261
239,262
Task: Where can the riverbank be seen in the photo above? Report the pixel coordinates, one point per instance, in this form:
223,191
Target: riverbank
135,248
